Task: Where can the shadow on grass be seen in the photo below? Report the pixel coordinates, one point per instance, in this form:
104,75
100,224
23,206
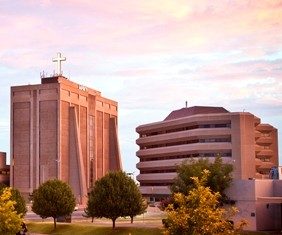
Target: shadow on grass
90,229
72,229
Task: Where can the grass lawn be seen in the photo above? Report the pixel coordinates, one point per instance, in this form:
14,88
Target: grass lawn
87,229
254,233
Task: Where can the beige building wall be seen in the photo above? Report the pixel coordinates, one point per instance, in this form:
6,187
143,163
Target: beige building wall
60,129
262,215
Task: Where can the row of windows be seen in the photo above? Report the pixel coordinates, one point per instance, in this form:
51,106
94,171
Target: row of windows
264,159
4,172
265,134
194,155
220,125
208,140
157,171
155,184
264,172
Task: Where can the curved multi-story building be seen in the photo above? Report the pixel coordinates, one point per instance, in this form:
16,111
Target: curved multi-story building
239,137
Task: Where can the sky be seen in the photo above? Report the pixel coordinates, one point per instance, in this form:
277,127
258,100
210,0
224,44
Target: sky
150,56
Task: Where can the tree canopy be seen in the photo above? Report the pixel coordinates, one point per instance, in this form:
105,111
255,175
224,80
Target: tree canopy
114,195
10,220
20,205
198,213
136,204
53,198
218,180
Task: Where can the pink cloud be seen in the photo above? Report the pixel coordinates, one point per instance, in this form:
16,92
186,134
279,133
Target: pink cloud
141,27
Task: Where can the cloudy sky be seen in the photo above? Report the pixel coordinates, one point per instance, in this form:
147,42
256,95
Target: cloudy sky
149,55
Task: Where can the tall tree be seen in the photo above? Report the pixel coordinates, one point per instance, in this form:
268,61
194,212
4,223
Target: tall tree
10,220
53,198
135,203
219,179
20,206
198,212
90,208
114,195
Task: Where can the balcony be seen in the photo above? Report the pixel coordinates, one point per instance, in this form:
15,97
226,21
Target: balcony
265,152
184,149
157,177
258,148
160,164
153,190
183,135
264,128
263,140
266,165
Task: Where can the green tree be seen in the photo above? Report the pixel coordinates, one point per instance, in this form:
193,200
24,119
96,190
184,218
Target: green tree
136,204
53,198
2,186
219,179
114,195
198,213
90,208
10,221
20,206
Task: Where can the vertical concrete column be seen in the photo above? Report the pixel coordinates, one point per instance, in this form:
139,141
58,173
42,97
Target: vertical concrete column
77,179
59,126
103,143
37,163
11,139
115,160
31,143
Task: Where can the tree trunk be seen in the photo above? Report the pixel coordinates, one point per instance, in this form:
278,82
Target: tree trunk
92,219
131,219
55,220
114,222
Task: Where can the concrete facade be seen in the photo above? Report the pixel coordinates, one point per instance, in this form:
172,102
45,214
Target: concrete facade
259,203
239,137
4,170
63,130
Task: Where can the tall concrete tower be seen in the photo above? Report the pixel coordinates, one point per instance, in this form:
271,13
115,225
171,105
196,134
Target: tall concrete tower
63,130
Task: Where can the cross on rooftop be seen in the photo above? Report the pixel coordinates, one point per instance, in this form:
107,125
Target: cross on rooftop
59,60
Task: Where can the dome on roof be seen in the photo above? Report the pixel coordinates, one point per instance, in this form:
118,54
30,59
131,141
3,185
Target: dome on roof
185,112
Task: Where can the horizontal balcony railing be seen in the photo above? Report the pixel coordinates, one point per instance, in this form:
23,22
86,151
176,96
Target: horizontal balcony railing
159,164
157,177
153,190
184,135
265,152
258,148
266,165
174,163
264,128
184,149
183,122
263,140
